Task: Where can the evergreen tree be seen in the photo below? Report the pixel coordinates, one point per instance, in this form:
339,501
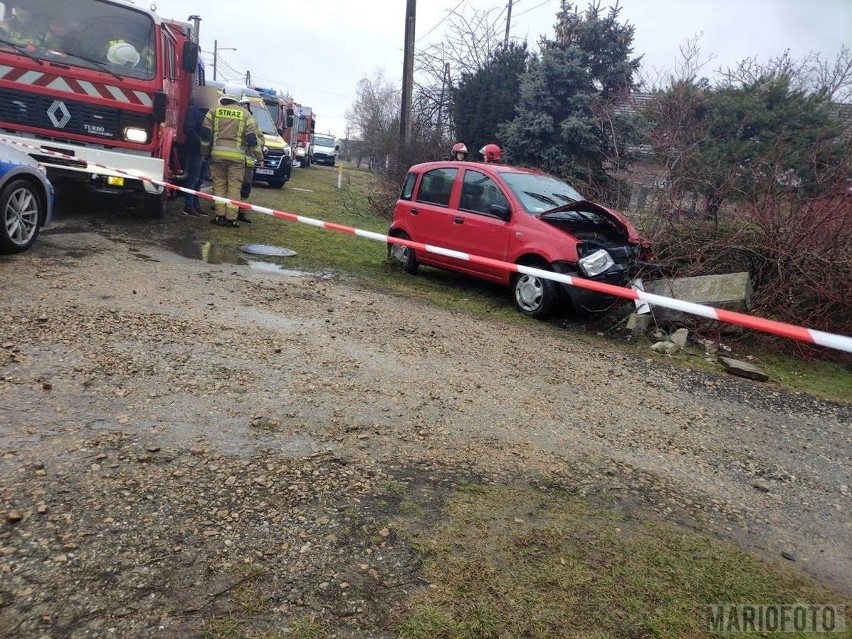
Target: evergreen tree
564,123
487,97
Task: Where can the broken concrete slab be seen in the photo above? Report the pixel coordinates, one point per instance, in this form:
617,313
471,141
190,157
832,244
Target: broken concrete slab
731,291
679,337
743,369
639,324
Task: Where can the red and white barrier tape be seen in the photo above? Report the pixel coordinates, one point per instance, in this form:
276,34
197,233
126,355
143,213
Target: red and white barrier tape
807,335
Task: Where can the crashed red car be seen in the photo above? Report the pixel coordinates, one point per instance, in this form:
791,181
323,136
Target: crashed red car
517,215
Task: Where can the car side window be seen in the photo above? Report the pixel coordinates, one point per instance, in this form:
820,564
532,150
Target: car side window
436,186
480,192
408,187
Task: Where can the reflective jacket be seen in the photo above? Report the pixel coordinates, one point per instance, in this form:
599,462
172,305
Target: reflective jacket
228,133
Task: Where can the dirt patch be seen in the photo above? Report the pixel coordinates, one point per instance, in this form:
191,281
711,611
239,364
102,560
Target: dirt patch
132,389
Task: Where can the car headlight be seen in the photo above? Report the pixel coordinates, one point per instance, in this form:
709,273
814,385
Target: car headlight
265,150
287,150
598,262
135,134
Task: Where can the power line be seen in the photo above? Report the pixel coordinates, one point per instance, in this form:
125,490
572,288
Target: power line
441,21
518,15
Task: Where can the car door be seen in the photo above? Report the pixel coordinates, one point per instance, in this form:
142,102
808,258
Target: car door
429,212
472,227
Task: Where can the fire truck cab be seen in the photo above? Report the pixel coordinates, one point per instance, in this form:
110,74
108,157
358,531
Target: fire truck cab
101,81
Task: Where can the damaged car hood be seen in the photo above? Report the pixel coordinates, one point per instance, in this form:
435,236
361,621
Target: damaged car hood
586,213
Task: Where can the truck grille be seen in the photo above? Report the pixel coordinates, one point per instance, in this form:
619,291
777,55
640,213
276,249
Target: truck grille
67,116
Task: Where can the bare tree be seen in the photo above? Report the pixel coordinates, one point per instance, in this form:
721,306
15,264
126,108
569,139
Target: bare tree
374,116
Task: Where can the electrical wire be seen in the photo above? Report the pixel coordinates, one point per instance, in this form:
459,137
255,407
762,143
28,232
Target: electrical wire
530,9
441,21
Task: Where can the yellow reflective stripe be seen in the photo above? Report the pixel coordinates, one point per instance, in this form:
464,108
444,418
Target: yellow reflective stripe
228,152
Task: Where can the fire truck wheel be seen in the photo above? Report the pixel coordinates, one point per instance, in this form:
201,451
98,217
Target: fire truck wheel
154,205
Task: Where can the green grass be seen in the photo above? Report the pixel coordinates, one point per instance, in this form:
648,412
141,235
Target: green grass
518,562
822,379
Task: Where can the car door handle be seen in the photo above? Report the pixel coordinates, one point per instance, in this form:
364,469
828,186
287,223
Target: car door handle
414,211
458,220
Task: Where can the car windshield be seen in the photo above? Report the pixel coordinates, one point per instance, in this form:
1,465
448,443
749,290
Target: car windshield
539,193
86,33
264,120
321,140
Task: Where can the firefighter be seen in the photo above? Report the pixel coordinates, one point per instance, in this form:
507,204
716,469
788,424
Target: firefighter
27,30
228,132
459,152
253,157
490,154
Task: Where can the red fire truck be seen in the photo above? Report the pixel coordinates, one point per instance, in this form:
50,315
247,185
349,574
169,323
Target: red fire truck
306,122
98,80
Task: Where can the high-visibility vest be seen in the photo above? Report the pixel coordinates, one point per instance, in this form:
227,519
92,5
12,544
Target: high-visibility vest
229,124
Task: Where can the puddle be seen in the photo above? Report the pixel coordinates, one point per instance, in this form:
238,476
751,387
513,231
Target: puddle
270,267
206,251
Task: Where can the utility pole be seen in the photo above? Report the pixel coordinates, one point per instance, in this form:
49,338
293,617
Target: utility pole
443,91
216,55
508,25
407,78
248,78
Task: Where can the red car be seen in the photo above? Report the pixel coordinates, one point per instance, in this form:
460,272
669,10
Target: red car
517,215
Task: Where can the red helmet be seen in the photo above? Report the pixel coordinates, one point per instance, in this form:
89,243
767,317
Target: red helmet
491,153
459,147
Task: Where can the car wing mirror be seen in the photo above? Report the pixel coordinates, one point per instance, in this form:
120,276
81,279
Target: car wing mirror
503,212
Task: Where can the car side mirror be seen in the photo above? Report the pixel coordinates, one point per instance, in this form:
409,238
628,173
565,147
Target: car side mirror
336,147
503,212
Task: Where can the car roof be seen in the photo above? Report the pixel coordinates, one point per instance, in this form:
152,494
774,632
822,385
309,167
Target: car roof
479,166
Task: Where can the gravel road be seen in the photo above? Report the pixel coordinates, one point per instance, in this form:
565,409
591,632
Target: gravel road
174,432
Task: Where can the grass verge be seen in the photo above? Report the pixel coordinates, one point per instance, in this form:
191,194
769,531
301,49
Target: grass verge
524,562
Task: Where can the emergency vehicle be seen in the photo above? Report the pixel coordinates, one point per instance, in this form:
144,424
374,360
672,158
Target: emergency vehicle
306,122
98,80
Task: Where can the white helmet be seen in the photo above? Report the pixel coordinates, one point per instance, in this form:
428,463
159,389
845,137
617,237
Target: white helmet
124,54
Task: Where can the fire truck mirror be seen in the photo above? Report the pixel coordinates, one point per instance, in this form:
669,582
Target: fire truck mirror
189,59
161,101
290,118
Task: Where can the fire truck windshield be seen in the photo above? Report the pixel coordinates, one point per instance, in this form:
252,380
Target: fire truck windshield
85,33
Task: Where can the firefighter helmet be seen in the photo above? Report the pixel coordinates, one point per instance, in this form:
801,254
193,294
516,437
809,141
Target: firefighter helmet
123,53
227,98
490,153
459,149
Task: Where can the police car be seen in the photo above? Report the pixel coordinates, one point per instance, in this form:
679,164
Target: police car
26,200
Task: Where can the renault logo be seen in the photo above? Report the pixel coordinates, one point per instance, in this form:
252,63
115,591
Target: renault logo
58,114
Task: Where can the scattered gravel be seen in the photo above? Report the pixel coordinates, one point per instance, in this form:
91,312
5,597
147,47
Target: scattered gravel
182,440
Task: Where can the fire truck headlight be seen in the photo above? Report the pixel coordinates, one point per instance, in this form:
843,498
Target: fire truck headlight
133,134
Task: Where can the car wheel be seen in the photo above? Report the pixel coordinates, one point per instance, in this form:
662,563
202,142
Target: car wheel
23,211
404,256
331,163
534,296
154,205
276,184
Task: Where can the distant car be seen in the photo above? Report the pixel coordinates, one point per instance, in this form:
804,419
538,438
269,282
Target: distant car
517,215
26,200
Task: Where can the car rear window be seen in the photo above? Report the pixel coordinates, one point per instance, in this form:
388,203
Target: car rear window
436,186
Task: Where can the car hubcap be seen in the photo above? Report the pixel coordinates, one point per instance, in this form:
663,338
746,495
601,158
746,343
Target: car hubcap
21,216
529,292
400,254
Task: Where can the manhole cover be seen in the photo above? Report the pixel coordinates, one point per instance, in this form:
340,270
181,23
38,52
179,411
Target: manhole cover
267,250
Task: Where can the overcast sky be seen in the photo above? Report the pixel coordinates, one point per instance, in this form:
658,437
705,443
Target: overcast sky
318,51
